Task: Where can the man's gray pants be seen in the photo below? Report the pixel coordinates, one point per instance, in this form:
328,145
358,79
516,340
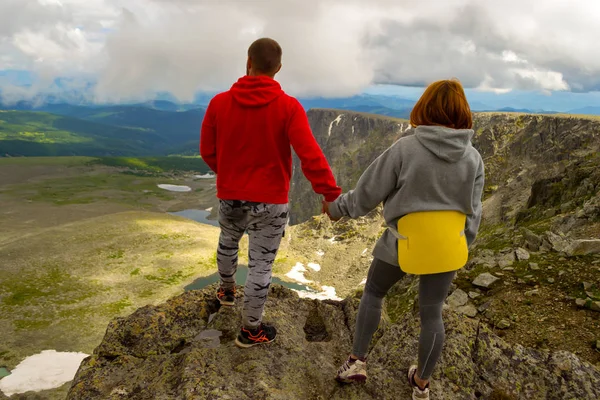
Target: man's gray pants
265,224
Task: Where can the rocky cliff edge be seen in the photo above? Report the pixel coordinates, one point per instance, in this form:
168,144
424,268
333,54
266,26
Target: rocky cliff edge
183,349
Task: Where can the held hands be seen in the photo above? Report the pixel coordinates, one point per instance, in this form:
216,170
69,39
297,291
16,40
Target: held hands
325,210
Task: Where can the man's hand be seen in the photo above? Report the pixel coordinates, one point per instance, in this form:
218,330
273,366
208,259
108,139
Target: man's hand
326,211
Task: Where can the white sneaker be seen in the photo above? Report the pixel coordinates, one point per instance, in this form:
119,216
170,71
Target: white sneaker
352,371
418,393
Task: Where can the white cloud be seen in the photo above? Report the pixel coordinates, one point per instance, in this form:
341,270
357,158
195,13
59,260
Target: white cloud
331,47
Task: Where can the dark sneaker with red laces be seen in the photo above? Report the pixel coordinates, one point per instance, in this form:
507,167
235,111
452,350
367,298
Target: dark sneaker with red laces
226,296
251,337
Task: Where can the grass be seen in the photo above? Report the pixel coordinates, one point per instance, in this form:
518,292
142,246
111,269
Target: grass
156,164
86,189
58,296
45,161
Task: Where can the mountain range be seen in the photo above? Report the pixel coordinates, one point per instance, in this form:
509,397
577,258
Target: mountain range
159,127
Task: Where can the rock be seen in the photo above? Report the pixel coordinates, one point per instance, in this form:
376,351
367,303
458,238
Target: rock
598,344
508,269
534,292
503,324
587,286
469,310
551,280
534,266
506,260
580,303
314,338
557,242
485,280
532,241
474,295
583,247
522,254
521,281
457,299
595,306
482,308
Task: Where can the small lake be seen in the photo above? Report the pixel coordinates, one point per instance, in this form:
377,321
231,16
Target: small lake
240,278
4,372
201,216
198,216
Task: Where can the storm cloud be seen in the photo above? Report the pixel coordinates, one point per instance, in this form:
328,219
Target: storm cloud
133,48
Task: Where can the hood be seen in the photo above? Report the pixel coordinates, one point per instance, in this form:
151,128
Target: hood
255,91
446,143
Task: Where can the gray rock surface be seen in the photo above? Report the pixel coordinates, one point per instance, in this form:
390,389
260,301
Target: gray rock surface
457,299
155,354
485,280
522,254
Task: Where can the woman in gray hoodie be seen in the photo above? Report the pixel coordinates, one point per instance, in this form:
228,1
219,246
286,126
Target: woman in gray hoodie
435,168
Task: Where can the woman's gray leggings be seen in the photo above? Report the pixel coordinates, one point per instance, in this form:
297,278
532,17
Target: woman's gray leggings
433,290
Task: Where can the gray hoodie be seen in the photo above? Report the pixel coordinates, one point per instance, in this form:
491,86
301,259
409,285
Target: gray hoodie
436,168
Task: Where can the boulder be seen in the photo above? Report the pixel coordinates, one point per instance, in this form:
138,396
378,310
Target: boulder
485,280
457,299
583,247
469,310
506,260
522,254
532,241
160,352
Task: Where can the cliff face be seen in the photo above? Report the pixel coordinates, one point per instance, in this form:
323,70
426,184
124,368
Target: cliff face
521,153
184,349
350,141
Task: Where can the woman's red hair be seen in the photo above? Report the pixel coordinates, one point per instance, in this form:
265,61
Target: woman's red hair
444,103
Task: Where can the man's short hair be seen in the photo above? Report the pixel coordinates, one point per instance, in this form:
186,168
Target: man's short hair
265,55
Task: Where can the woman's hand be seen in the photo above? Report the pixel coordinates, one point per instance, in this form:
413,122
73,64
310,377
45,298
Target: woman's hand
325,210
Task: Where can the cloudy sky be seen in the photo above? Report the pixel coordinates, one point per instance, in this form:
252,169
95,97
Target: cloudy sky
131,49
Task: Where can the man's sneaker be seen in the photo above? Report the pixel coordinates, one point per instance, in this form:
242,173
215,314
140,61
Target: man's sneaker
418,393
226,296
261,335
352,371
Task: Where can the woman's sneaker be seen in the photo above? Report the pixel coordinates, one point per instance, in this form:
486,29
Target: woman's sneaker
261,335
226,296
352,371
418,393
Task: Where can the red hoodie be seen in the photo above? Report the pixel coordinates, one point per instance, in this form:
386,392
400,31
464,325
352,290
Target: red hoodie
246,137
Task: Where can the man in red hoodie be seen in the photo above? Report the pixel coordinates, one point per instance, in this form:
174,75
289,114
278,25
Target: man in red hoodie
246,139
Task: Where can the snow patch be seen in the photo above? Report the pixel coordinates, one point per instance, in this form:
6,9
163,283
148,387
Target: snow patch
205,176
209,209
352,129
314,266
332,240
336,121
297,273
175,188
363,282
46,370
327,293
320,253
364,252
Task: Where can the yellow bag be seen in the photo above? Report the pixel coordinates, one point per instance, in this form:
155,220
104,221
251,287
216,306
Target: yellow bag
432,242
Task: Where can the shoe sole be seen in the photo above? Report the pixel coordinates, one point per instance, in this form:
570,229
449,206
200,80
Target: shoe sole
248,345
226,303
352,379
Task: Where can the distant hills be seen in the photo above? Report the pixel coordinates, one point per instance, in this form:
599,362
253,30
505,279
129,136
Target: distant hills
155,128
120,130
